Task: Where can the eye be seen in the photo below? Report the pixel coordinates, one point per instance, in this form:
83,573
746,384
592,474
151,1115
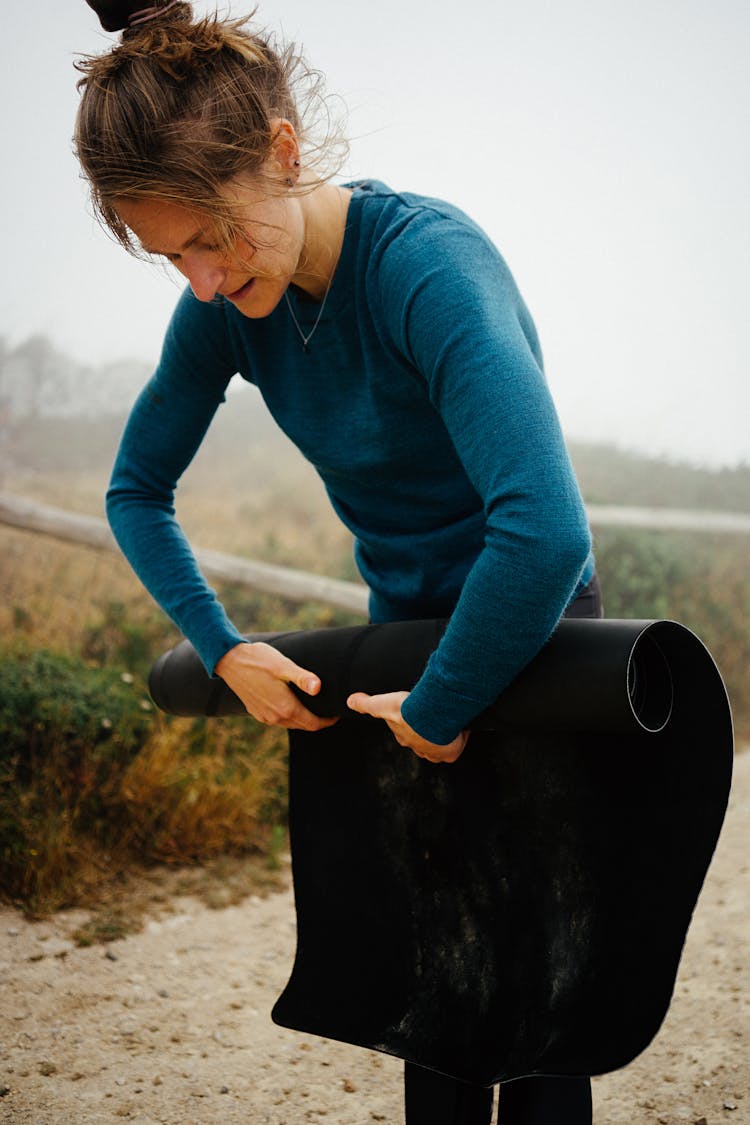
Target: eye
176,258
163,254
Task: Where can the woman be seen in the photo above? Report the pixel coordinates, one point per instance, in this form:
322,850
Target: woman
389,342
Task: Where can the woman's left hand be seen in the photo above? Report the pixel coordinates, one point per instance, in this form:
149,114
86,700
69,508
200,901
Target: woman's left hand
388,707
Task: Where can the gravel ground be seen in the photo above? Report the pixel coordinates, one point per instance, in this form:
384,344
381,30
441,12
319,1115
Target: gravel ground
172,1025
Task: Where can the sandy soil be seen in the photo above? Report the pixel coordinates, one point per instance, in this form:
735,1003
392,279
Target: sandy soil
172,1025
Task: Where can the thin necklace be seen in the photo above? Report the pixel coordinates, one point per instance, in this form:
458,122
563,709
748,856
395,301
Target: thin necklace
307,338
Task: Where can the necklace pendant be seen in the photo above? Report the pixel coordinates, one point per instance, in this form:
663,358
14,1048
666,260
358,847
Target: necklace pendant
306,339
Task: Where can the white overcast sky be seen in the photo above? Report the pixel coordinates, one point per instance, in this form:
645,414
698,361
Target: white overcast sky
604,146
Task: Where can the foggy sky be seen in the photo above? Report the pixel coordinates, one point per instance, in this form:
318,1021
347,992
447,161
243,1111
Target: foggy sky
603,146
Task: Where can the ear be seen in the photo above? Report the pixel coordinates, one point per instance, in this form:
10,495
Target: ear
284,147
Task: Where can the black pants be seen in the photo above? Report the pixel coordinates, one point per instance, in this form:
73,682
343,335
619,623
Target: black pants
434,1099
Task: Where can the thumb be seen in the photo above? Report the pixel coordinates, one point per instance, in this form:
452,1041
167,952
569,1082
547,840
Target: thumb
305,680
361,702
302,678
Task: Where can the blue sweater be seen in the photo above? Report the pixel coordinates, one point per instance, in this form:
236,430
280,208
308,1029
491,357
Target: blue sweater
423,407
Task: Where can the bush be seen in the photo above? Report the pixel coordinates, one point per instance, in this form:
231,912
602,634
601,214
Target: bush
207,788
92,780
117,636
704,584
67,735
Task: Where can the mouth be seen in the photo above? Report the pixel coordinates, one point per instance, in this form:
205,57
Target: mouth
243,291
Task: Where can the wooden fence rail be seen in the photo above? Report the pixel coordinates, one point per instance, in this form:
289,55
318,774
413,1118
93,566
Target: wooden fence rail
669,519
299,585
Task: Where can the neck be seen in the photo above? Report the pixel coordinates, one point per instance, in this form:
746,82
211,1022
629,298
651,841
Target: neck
324,210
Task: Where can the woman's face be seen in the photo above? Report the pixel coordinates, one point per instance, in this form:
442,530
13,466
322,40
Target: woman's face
254,272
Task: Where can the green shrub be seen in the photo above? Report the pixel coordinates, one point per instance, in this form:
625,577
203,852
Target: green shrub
67,734
57,706
117,635
92,780
704,584
641,571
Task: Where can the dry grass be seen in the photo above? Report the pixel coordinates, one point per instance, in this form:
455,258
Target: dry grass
55,593
186,805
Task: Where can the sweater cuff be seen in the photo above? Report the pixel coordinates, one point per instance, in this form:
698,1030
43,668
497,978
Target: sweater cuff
437,713
211,648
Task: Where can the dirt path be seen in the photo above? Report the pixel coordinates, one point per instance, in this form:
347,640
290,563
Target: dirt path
172,1025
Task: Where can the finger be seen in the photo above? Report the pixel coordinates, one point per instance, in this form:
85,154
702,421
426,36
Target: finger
377,706
359,702
446,756
435,759
309,722
292,719
292,673
298,717
302,678
386,706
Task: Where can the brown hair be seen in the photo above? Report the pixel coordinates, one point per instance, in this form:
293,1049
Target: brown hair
180,107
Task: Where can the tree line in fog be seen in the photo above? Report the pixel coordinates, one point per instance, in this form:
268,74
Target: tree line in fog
57,414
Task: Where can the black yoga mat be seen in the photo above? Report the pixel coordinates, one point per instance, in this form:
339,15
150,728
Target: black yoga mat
523,910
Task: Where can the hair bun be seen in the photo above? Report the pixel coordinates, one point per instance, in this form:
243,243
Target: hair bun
116,15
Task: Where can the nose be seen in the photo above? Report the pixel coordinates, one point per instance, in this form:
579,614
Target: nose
205,278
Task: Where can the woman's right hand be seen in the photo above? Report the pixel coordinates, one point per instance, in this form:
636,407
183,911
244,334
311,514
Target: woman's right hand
259,675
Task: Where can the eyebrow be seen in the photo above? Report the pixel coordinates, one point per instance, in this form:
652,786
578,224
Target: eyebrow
185,246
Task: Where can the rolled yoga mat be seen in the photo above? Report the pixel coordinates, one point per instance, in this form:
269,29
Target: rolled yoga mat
520,911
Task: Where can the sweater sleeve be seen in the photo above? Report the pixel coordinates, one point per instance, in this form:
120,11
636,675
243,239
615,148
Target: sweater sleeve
455,314
162,435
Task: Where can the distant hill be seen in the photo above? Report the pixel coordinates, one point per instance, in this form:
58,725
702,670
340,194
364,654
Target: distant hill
609,475
60,416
